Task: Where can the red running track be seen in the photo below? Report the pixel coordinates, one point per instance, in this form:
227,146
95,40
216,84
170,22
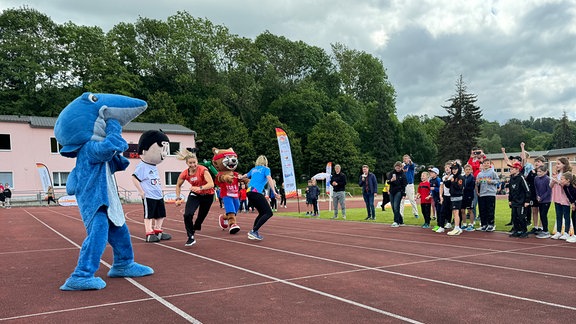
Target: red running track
304,271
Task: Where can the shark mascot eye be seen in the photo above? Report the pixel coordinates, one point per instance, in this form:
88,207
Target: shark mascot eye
92,97
90,130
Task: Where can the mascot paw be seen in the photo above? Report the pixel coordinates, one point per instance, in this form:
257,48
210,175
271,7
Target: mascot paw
76,283
223,222
132,270
234,229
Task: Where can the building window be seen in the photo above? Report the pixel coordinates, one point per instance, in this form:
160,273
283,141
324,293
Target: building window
5,144
171,178
60,179
55,147
174,147
6,178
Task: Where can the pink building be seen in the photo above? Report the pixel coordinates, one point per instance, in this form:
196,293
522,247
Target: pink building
28,140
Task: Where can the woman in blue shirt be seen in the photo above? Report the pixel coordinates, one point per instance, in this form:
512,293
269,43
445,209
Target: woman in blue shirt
259,176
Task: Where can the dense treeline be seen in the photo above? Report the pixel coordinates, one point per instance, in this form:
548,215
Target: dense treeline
234,91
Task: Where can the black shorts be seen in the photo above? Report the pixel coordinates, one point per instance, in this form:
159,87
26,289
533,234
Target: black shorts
467,202
456,205
154,208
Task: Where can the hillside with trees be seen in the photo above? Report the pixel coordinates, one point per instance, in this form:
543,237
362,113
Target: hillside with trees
233,91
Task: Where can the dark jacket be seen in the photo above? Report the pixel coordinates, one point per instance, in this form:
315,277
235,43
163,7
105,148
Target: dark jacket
312,192
398,185
456,185
370,186
570,191
340,178
469,186
519,192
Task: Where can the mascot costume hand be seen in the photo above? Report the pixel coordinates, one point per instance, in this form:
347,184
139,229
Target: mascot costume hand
225,162
90,130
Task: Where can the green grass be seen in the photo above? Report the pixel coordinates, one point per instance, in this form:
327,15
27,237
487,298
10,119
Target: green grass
502,216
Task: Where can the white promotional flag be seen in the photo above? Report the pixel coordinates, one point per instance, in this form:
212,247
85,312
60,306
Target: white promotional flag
44,176
287,165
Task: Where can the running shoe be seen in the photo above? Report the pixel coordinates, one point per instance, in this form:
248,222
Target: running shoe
543,235
556,236
455,231
253,235
191,241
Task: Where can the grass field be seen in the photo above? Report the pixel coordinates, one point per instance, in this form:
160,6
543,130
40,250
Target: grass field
358,214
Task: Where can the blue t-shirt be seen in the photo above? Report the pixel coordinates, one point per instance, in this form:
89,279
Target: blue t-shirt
258,178
409,172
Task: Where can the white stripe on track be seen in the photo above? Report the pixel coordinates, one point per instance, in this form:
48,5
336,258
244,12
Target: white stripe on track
147,291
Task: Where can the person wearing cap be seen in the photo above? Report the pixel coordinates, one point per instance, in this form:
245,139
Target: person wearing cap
509,161
435,191
518,199
455,182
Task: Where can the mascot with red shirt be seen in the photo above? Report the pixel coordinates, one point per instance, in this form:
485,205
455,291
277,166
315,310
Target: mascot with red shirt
225,161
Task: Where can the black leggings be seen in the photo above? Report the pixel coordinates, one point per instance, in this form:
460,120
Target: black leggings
264,211
195,201
543,211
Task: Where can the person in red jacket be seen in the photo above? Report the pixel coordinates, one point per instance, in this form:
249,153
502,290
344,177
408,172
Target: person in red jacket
425,198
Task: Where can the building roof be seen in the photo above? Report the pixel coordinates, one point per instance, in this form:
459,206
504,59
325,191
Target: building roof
49,122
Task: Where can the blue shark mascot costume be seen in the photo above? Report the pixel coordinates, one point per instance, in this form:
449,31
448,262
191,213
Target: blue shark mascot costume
89,129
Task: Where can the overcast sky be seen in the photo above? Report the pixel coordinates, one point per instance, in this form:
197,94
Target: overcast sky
517,56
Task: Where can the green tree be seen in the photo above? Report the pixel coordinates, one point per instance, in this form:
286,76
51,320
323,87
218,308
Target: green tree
161,109
217,127
266,143
462,125
332,140
300,109
417,142
512,134
30,63
564,133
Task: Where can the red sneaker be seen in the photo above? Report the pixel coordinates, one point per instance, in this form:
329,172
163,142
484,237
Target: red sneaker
223,222
234,229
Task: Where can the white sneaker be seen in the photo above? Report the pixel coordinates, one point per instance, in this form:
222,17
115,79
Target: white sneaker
556,236
571,239
394,225
448,226
440,230
564,236
455,231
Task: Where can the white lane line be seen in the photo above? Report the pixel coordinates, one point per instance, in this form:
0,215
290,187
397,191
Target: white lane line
390,272
286,282
147,291
374,269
